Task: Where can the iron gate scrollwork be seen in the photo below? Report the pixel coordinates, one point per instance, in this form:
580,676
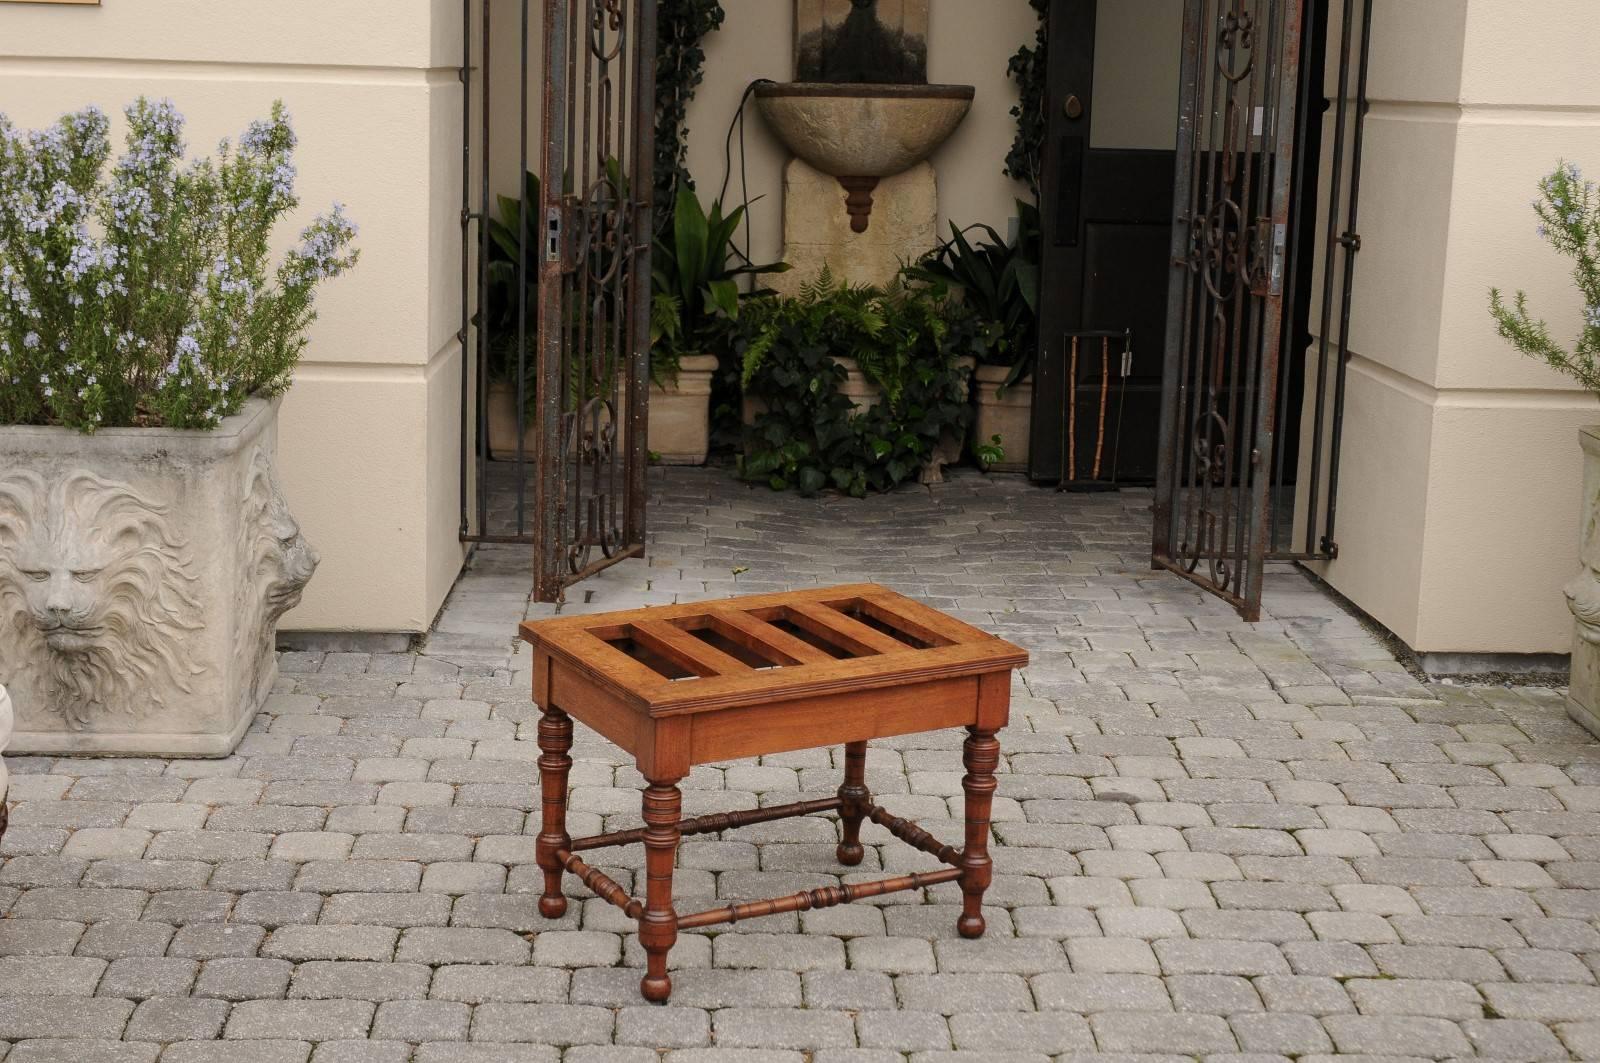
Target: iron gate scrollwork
579,369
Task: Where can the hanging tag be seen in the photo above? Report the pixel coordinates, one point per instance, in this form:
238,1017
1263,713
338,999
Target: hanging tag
1260,120
1127,362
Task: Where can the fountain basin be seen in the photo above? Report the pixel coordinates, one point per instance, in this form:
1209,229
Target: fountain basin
863,131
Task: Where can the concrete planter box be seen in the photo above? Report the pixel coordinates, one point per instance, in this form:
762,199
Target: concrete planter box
680,413
142,575
1008,414
1583,595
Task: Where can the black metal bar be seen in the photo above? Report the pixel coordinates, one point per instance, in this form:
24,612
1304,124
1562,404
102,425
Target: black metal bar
522,283
1331,252
1179,321
482,450
1329,545
466,262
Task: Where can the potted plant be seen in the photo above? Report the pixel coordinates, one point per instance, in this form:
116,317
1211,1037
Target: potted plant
695,274
146,332
864,422
1569,219
998,282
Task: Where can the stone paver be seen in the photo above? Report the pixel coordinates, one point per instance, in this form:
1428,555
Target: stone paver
1210,839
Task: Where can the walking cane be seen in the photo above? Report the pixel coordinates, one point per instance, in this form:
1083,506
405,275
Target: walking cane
1072,414
1105,394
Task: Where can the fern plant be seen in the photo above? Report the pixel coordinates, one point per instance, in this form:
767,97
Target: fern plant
1569,219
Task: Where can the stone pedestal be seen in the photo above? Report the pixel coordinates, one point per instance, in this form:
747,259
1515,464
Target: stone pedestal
817,227
1583,595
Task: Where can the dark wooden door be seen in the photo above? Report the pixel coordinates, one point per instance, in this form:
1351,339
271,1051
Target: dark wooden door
1106,213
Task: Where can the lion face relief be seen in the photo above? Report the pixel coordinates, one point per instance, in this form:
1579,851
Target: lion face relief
96,597
279,563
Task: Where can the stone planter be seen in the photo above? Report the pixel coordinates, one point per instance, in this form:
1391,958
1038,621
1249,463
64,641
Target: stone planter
1583,595
680,413
7,724
952,443
1008,414
502,416
142,575
862,393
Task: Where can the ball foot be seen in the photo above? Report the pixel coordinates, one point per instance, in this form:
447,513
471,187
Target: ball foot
850,855
552,907
970,926
656,988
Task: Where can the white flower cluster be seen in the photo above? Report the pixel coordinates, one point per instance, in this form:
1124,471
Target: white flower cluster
143,290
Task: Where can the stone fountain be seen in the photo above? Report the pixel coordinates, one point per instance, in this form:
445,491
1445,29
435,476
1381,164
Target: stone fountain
862,120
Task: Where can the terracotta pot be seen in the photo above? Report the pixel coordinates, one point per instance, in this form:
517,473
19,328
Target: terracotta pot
1005,413
680,413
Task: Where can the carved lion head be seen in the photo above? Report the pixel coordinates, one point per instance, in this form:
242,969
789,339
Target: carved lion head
280,562
96,596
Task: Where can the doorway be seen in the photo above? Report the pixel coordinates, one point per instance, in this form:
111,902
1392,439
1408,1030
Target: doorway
1200,196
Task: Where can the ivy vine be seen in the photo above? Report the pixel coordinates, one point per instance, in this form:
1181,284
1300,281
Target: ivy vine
681,25
1025,160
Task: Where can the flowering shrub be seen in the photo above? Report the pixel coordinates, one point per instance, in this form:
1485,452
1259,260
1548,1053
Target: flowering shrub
1569,218
143,292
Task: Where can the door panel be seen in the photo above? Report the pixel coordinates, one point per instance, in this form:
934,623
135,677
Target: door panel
1107,217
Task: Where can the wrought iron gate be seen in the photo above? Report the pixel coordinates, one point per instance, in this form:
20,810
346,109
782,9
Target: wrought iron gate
1251,139
556,283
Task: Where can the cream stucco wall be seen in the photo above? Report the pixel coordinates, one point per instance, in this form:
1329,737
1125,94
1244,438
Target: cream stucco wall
969,43
367,439
1460,490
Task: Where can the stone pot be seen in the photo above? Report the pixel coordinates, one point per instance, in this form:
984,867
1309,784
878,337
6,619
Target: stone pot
680,413
951,443
502,416
862,392
143,572
1583,595
8,721
1007,414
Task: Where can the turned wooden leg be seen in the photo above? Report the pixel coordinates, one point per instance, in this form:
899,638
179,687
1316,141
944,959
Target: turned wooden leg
855,796
555,741
658,925
980,755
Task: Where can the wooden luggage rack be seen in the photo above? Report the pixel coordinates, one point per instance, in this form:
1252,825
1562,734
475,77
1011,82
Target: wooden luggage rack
690,684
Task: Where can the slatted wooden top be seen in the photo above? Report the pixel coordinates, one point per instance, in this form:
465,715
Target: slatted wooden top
678,659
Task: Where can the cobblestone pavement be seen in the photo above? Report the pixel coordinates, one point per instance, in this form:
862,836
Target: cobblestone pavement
1211,839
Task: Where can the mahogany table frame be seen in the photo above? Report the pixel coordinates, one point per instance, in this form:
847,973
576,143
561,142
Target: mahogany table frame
677,686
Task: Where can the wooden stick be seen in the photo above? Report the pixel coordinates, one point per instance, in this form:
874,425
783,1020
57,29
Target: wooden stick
1072,415
1105,394
716,821
826,897
605,887
914,835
